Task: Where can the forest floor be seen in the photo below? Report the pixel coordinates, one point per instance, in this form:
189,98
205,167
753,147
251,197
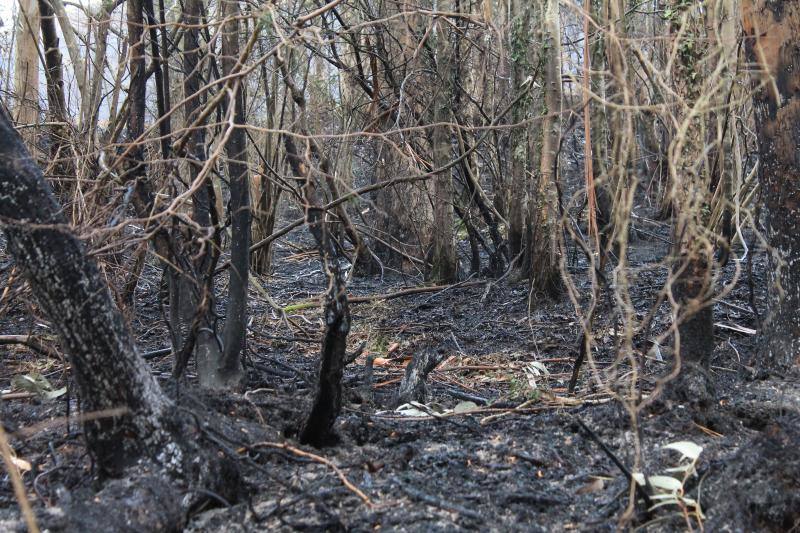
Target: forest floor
515,458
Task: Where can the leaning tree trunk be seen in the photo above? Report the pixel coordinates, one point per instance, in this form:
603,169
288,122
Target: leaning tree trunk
130,422
772,30
111,376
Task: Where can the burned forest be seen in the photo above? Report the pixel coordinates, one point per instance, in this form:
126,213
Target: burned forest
428,265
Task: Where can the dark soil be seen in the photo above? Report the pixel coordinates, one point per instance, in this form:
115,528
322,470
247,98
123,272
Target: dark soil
491,468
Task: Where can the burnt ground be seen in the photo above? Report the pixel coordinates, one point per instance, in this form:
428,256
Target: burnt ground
517,458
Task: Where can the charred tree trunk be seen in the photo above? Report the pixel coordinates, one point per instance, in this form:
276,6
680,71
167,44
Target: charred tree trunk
161,72
230,371
111,376
772,30
443,259
194,324
317,426
53,64
413,387
134,423
266,192
62,166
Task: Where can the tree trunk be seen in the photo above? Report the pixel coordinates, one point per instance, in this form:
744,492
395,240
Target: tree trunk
772,30
522,68
317,427
26,66
133,421
230,372
67,284
443,259
543,246
53,64
690,199
192,303
62,164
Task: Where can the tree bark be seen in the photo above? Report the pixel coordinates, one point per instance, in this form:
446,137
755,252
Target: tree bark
230,372
542,245
522,70
444,262
26,65
53,64
771,29
690,187
67,284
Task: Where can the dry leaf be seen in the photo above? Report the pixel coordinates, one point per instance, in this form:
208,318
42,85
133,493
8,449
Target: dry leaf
596,485
22,464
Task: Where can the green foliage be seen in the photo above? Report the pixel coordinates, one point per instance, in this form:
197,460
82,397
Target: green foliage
380,344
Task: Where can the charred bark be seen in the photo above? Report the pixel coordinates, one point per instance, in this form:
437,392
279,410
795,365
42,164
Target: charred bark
413,387
771,30
53,64
230,371
67,284
317,426
135,422
194,324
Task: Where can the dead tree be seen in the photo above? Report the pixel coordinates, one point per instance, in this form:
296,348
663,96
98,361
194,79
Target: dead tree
413,387
67,283
771,30
318,423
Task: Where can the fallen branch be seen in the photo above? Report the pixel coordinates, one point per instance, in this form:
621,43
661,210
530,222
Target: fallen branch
31,342
319,459
19,395
382,297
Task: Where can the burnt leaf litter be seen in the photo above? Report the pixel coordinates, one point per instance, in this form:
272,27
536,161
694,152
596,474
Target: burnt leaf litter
497,444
